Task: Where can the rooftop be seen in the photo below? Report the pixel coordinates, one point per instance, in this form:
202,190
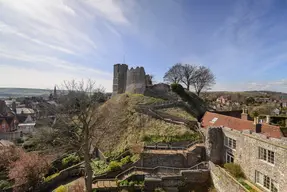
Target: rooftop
213,119
25,110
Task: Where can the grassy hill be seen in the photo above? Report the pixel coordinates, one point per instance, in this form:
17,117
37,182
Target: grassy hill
22,92
126,128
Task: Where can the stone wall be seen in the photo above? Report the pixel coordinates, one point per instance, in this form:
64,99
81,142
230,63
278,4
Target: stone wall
246,153
174,159
136,80
196,176
10,135
168,160
120,78
214,145
223,181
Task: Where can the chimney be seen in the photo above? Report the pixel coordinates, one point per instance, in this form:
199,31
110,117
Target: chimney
244,115
268,119
256,120
14,106
258,127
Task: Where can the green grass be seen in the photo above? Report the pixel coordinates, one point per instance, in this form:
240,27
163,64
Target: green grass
175,138
125,126
241,181
50,177
178,112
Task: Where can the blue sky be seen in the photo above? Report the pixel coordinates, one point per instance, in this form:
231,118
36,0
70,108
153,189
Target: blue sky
43,43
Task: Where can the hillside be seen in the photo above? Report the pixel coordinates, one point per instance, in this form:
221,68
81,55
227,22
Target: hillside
244,94
127,128
22,92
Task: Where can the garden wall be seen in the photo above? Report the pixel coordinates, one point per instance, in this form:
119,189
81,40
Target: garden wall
223,181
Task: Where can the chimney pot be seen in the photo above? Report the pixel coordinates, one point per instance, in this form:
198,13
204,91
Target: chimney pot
268,119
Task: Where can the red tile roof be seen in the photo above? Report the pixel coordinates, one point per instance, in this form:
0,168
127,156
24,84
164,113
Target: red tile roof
238,124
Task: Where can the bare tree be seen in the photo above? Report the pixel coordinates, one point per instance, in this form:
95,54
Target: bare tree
77,120
203,80
188,74
174,74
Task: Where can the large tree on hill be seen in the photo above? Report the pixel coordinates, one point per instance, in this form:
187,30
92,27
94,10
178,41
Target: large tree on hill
78,124
188,74
174,74
203,79
199,77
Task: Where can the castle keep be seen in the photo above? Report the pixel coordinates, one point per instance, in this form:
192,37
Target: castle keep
132,80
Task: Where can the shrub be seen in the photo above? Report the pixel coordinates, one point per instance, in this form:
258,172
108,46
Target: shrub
125,160
177,88
5,184
28,171
70,160
99,167
62,188
234,170
159,190
50,177
135,158
114,166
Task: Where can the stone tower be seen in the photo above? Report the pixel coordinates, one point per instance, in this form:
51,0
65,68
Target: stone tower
55,92
120,78
136,80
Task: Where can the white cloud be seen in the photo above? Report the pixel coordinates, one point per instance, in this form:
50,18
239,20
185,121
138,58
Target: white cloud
45,42
31,78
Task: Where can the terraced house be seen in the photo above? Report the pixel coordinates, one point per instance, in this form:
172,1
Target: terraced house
259,148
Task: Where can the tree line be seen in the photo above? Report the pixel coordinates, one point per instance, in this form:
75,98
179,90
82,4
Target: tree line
199,77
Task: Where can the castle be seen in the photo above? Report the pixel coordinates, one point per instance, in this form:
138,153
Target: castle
133,80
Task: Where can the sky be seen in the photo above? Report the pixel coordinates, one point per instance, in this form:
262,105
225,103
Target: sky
46,42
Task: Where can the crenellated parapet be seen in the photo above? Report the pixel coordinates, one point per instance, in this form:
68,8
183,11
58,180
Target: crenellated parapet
132,80
136,80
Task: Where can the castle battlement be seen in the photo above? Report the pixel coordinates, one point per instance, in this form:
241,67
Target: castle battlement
133,80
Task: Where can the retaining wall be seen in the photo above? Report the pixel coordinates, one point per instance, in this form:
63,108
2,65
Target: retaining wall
223,181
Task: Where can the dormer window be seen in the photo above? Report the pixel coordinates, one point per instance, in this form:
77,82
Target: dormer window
214,120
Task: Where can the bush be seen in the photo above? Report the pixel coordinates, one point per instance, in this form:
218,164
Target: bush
234,170
187,136
114,166
159,190
50,177
99,167
125,160
70,160
62,188
135,158
177,88
5,184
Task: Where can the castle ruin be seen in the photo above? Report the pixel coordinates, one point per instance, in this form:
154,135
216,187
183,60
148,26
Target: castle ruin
132,80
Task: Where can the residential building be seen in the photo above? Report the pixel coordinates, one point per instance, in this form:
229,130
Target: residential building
222,100
276,111
8,123
259,148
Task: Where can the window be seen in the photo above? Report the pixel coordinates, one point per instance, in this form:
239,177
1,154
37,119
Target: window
229,157
266,182
266,155
213,120
230,143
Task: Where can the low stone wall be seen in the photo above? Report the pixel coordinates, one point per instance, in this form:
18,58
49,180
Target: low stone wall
10,135
196,176
75,171
168,160
223,181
